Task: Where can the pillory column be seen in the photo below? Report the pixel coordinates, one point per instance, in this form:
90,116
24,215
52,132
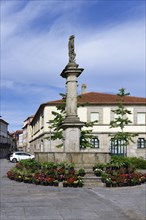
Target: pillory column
71,124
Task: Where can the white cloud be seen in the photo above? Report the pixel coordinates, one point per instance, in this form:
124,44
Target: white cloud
32,59
7,84
120,48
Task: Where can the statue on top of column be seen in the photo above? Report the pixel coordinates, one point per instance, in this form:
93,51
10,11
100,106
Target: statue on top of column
72,54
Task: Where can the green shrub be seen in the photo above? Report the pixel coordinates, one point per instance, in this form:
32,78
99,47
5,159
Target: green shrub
138,163
30,163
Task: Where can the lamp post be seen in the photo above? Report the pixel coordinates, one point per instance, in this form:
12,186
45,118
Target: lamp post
49,122
50,139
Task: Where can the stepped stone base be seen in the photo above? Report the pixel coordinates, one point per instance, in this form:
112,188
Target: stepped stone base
90,180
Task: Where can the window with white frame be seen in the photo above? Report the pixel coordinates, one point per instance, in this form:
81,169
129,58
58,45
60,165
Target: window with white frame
95,116
118,147
95,142
141,116
141,143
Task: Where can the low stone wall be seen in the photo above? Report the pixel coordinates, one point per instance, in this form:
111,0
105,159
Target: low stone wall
81,159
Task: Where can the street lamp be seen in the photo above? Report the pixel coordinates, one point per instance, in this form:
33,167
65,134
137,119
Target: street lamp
49,122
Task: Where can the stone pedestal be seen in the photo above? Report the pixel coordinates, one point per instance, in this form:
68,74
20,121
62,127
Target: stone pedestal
80,159
72,139
71,124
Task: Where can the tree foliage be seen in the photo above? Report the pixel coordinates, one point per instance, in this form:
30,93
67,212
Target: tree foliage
56,123
59,117
121,120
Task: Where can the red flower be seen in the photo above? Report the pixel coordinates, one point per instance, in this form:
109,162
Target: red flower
49,179
61,170
71,180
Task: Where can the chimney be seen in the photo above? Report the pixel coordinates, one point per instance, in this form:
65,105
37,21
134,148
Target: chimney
83,89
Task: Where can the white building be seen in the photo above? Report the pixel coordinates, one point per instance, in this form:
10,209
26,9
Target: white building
94,106
27,130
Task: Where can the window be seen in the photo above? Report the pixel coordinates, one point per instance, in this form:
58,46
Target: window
42,121
95,142
141,118
141,143
118,147
94,116
18,154
25,154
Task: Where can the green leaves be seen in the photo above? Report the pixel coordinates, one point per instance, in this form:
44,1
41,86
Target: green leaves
59,116
122,120
119,122
124,137
86,135
122,93
57,132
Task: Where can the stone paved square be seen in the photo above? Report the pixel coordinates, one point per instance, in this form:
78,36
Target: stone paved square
20,201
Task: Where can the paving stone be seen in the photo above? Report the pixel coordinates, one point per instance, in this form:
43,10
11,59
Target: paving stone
20,201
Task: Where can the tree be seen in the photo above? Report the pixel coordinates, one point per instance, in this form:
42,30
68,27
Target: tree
121,120
59,117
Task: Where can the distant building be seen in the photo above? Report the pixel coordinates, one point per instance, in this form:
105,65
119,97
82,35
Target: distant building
27,130
93,106
7,144
18,139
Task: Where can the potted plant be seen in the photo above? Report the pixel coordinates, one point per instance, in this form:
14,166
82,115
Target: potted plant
71,180
81,172
37,182
80,183
132,182
65,183
104,176
56,183
108,182
75,183
26,179
98,172
71,168
19,178
49,181
142,179
114,183
10,175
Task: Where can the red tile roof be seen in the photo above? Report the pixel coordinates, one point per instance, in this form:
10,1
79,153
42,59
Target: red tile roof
96,98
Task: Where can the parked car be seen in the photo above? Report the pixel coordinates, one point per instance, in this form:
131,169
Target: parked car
17,156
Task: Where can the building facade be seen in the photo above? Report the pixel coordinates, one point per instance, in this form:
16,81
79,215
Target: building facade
7,144
93,106
27,130
18,139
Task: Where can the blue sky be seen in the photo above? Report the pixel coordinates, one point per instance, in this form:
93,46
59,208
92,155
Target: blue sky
109,45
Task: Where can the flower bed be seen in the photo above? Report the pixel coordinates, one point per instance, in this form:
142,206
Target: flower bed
47,174
119,174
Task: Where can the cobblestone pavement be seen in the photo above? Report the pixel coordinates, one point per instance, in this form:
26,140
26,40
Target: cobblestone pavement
20,201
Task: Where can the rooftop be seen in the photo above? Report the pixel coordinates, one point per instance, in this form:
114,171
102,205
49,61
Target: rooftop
97,98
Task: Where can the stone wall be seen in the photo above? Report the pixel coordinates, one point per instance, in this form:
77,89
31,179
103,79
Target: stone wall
81,159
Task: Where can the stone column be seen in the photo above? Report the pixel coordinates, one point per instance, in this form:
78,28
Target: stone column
71,124
71,74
